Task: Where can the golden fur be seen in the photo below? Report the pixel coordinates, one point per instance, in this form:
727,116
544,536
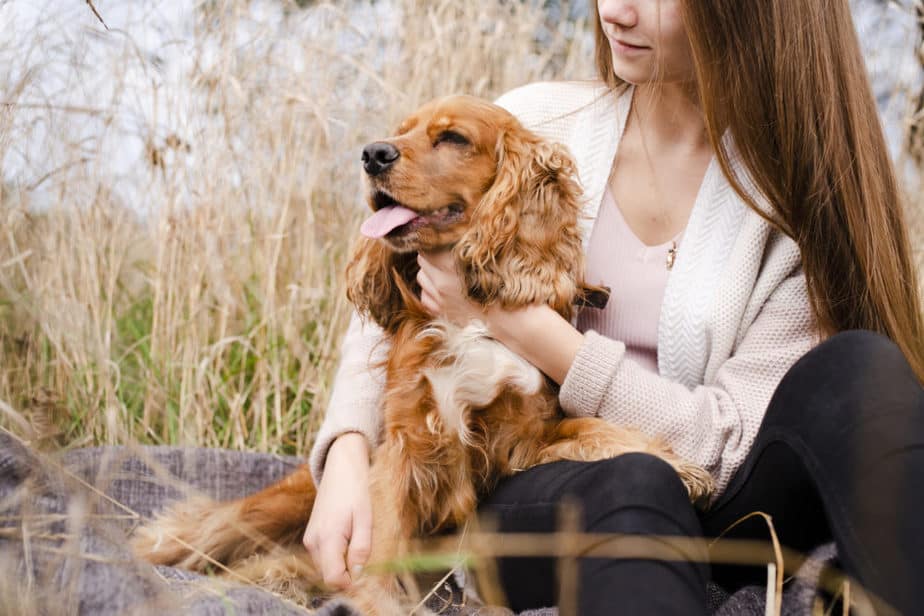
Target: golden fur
460,410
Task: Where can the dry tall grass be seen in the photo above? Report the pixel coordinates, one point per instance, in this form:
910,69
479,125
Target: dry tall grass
208,309
202,304
213,316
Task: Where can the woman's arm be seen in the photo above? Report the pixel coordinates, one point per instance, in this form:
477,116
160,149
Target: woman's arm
537,333
712,425
356,398
339,531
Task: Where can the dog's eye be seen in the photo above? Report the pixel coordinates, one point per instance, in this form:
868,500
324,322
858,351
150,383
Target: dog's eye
450,136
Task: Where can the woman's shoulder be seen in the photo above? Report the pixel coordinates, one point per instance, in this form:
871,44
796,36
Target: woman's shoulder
543,102
561,92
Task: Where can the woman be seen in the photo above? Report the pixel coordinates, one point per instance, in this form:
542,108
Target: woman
742,207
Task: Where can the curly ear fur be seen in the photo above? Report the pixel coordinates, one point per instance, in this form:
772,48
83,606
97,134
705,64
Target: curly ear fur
382,284
523,245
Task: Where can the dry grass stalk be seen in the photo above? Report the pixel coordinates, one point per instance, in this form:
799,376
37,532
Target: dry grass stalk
486,545
209,312
214,317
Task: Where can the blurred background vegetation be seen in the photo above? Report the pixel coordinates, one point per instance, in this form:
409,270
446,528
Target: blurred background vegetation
180,188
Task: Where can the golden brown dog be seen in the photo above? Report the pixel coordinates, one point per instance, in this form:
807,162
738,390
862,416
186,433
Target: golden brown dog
460,410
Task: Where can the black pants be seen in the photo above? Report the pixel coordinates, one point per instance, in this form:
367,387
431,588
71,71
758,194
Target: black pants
840,455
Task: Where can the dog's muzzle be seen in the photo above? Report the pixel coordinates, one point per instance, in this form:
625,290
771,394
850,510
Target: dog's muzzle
379,157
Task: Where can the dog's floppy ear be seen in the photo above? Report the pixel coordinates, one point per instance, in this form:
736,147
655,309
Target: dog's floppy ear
382,284
523,245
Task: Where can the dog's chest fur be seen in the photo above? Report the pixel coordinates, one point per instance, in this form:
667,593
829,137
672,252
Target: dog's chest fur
471,370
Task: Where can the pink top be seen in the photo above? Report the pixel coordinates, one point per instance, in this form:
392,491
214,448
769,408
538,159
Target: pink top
636,275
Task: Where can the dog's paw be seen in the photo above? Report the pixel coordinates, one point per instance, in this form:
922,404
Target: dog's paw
180,536
287,572
699,483
379,595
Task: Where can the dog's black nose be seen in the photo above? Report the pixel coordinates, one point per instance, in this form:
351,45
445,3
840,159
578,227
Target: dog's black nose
379,157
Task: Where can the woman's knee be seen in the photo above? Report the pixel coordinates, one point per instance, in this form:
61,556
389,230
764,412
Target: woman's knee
845,378
851,359
632,492
853,392
859,359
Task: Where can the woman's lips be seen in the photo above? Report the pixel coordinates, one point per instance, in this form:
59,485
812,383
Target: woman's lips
626,48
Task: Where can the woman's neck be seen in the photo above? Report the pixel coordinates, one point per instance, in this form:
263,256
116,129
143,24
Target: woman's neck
669,116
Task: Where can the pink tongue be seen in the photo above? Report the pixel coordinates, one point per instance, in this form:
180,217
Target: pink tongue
386,219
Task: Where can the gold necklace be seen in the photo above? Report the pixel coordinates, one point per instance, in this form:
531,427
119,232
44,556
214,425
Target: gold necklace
671,254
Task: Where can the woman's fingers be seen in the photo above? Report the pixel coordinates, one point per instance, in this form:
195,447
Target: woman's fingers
360,542
438,273
440,259
441,289
428,294
342,512
429,304
328,553
424,280
333,560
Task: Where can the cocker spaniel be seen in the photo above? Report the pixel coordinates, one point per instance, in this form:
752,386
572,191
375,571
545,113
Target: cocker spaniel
460,410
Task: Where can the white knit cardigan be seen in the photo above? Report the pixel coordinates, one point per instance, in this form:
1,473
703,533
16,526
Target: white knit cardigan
735,316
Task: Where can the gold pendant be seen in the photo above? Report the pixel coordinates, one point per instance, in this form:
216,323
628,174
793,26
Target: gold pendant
671,255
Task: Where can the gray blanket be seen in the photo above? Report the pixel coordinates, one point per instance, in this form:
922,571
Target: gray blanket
65,520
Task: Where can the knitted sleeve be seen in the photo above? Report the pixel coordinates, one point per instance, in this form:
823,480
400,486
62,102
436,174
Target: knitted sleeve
714,424
357,392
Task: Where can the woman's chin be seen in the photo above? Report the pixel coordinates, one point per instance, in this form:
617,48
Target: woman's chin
642,75
633,79
634,73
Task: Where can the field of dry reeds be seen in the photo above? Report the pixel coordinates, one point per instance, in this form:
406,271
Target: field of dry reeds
172,272
191,294
173,241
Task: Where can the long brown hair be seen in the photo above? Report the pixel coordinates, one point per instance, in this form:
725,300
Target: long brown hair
788,80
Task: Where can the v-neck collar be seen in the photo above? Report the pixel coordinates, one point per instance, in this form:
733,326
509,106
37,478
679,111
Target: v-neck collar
604,127
713,226
712,229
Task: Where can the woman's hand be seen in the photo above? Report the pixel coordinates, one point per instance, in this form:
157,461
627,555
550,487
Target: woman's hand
537,333
339,533
441,289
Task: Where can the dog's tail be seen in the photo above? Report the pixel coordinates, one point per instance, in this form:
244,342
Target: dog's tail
200,532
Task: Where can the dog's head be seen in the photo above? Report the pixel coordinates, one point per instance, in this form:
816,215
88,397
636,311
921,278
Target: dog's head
426,181
464,173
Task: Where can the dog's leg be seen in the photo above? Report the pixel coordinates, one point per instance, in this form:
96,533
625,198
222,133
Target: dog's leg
588,439
286,571
193,533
